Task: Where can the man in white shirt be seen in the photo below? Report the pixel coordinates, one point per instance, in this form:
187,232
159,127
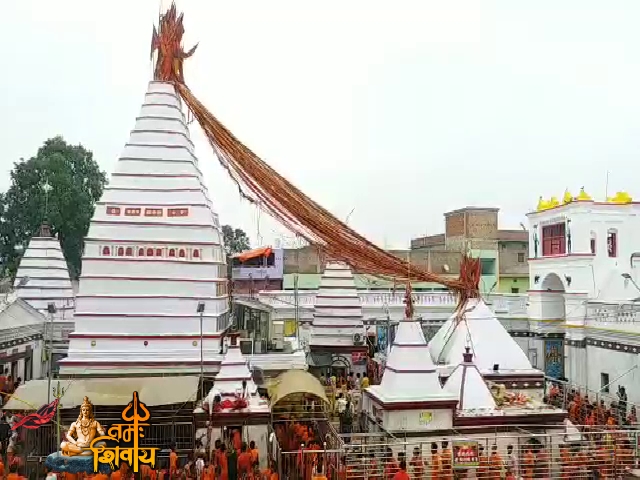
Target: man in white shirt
199,468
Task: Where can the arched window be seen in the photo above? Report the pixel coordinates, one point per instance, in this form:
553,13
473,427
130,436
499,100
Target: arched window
106,251
121,252
612,242
149,252
196,254
141,252
592,243
172,252
129,252
182,253
158,252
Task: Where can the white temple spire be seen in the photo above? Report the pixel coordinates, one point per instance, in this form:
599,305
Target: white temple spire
491,343
153,253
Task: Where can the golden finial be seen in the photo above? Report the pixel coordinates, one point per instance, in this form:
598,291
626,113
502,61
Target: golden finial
620,198
542,204
583,196
567,197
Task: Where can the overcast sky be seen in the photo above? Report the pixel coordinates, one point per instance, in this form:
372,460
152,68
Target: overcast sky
398,111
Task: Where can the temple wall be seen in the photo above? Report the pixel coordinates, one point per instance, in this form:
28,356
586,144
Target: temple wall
600,362
418,420
576,365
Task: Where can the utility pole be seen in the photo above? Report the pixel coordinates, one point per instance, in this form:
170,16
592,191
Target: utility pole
51,309
58,393
296,307
200,310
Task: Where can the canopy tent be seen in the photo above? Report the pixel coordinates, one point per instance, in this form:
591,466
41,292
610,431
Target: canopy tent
255,253
153,391
293,385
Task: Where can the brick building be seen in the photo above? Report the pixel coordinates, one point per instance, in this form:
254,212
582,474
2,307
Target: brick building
503,252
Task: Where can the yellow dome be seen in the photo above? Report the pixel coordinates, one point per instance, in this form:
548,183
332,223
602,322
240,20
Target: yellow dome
553,202
621,198
583,196
567,197
542,204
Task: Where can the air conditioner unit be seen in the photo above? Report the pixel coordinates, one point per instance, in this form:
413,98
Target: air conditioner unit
358,339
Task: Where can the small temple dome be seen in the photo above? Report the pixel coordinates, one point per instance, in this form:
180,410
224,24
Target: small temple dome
620,198
409,375
468,385
542,204
491,342
567,197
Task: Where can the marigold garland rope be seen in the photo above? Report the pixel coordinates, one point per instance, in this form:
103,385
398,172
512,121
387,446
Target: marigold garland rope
279,197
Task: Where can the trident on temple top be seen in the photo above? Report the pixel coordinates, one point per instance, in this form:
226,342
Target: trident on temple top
408,301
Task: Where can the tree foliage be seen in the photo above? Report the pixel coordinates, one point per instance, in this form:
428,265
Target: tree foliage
76,183
235,240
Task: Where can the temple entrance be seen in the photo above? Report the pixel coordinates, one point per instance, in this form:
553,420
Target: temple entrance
553,304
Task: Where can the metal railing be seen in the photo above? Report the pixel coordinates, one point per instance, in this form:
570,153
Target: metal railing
565,396
590,453
504,303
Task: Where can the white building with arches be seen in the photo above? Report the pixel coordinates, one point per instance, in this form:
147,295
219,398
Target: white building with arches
584,296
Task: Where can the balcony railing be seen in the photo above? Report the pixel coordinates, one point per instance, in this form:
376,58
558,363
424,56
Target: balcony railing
615,316
505,304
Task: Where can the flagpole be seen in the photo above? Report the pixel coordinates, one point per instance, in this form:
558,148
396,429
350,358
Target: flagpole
58,393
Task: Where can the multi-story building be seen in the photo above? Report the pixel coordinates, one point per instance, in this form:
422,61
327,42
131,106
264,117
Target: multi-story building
584,260
258,269
503,253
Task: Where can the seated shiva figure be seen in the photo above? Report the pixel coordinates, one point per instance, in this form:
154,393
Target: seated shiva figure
82,432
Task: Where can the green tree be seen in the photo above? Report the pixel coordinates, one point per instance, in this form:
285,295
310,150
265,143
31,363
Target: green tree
61,185
235,240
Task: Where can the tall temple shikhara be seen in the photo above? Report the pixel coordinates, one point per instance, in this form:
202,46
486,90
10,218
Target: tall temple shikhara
153,253
42,280
337,327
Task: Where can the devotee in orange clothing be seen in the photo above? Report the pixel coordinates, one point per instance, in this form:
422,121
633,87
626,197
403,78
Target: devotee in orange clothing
495,464
318,474
116,475
100,476
483,463
209,472
255,454
237,440
436,463
223,464
542,468
402,474
447,461
416,464
14,475
390,465
173,462
528,464
244,463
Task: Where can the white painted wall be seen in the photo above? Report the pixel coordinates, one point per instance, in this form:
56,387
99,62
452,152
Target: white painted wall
597,275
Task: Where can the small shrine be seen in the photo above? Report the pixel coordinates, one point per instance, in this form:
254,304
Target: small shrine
410,396
233,407
480,405
497,356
